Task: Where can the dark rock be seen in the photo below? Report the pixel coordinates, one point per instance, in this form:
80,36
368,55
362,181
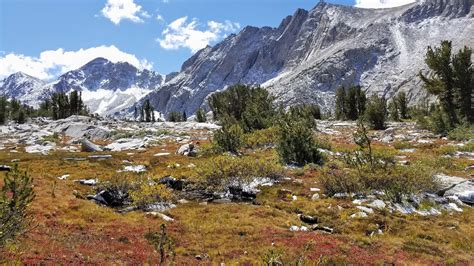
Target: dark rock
318,227
172,183
111,198
5,168
308,219
240,194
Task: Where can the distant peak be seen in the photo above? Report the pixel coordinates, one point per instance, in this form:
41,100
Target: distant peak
98,60
21,74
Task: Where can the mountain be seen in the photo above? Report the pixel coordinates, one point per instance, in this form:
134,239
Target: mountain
313,52
106,87
24,87
109,87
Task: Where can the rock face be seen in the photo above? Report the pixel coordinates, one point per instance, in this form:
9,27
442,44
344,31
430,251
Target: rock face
313,52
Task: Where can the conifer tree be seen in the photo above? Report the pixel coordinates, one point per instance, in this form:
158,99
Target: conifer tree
341,103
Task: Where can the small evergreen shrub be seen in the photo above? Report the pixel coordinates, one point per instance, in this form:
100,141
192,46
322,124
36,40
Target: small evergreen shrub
462,133
176,117
219,172
261,138
296,143
229,137
201,116
376,113
251,107
15,197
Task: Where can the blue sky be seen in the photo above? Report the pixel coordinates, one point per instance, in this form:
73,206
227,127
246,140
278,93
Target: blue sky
45,37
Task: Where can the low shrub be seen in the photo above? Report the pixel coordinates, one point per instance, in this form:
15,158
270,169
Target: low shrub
297,144
376,112
147,192
229,137
217,173
201,116
261,138
462,133
15,197
336,180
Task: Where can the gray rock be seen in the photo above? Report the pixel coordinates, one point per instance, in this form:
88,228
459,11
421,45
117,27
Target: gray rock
88,146
187,150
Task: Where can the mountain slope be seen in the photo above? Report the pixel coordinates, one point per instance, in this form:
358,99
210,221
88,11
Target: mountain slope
24,87
313,52
106,87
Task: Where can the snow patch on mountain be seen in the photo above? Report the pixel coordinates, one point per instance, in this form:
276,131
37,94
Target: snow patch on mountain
106,102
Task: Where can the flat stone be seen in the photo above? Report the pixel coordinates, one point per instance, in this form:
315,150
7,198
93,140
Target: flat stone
365,209
377,204
359,215
87,182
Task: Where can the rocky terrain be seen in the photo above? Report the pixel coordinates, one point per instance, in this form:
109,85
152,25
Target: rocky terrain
79,218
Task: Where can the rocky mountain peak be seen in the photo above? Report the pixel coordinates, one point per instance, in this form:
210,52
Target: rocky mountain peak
425,9
311,53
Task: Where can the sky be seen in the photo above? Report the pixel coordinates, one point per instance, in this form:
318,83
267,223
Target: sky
45,38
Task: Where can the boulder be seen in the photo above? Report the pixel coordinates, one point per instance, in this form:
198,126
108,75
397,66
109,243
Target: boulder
172,183
464,191
82,130
187,150
308,219
5,168
240,194
111,197
88,146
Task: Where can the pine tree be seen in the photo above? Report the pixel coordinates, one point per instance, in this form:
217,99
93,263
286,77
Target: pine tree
376,112
442,82
341,103
184,117
394,110
464,83
402,104
201,116
361,101
3,110
350,103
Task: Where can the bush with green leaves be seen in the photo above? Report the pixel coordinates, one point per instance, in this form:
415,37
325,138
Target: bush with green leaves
15,197
366,170
219,172
251,107
376,112
201,116
297,144
176,117
229,137
350,103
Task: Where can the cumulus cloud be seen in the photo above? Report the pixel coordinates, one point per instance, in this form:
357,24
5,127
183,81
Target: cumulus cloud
382,3
118,10
183,34
54,62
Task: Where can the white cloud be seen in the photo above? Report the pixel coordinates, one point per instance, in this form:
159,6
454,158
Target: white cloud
117,10
183,34
382,3
54,62
160,18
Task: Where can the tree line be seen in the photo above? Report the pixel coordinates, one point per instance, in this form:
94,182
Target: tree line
58,106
